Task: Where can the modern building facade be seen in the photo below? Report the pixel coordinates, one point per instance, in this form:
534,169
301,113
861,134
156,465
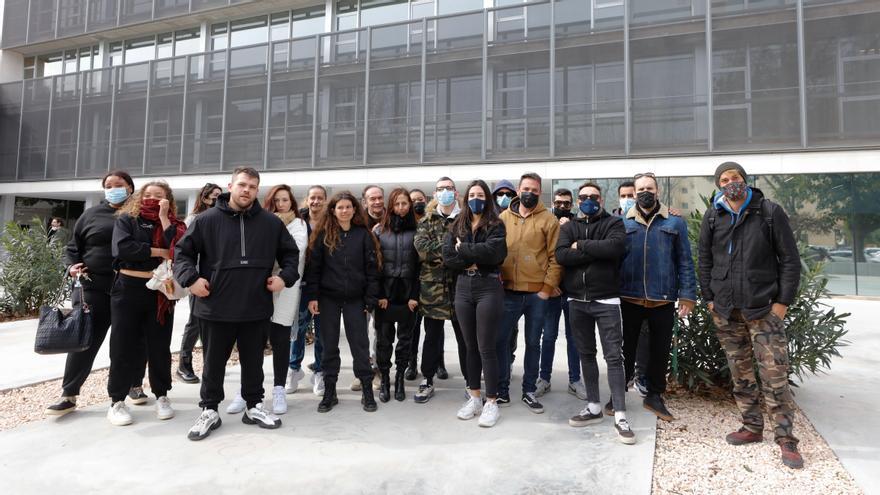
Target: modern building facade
349,92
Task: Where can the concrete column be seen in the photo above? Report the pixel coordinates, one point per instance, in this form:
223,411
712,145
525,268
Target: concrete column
7,209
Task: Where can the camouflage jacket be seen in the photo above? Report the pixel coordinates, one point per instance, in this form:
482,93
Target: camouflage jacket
436,281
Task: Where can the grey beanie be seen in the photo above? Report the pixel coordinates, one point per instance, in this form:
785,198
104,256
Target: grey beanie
724,167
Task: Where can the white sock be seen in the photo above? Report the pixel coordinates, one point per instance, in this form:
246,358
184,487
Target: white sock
619,415
594,407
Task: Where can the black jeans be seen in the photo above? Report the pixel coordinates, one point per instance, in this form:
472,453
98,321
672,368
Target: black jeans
479,306
279,338
432,352
135,325
352,313
190,332
397,320
218,337
586,319
660,322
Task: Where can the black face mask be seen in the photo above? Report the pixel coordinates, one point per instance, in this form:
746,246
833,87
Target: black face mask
646,200
529,199
562,213
419,208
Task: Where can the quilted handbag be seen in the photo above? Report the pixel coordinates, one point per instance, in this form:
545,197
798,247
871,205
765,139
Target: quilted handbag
62,331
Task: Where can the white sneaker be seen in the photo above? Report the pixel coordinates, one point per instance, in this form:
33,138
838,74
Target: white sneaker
279,400
578,389
491,413
293,378
318,384
163,408
543,387
471,408
356,385
258,416
118,414
207,422
237,405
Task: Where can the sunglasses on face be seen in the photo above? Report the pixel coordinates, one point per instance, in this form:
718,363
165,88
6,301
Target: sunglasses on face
507,193
562,204
584,197
646,174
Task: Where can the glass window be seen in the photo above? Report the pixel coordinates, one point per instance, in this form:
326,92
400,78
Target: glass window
136,11
383,11
280,26
70,62
50,65
164,45
346,6
139,50
249,31
116,54
453,6
102,14
307,22
187,42
71,17
219,36
86,57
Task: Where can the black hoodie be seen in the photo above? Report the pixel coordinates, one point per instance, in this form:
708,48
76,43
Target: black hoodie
350,272
592,271
236,251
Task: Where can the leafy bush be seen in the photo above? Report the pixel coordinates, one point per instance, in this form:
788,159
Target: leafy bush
32,271
815,331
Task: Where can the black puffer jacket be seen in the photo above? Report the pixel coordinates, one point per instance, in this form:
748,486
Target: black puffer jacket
400,264
487,249
748,261
348,273
592,271
236,252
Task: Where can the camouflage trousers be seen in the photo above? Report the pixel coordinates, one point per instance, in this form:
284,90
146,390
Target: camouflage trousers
760,343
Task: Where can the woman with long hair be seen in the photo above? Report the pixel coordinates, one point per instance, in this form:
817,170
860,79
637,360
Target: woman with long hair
476,246
399,290
207,198
342,280
146,230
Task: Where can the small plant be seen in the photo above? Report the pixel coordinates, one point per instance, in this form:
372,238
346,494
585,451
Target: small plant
32,271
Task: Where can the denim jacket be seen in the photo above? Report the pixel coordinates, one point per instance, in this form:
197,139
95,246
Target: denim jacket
657,264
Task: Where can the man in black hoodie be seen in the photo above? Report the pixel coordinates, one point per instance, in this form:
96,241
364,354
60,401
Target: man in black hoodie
236,244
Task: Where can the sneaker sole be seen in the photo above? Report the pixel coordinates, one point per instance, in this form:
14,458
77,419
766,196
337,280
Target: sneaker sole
741,442
184,379
626,440
59,412
581,424
248,421
165,417
488,425
332,405
279,411
234,411
139,402
534,410
121,423
503,404
466,419
424,399
196,438
664,417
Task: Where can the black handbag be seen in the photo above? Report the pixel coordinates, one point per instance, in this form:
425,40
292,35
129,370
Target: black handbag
62,331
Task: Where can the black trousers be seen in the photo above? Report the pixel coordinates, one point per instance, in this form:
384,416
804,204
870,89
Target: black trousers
416,339
135,326
352,313
190,332
397,320
218,337
432,352
479,306
660,322
279,338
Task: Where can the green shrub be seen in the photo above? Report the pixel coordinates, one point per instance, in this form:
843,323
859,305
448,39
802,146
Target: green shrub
815,331
32,271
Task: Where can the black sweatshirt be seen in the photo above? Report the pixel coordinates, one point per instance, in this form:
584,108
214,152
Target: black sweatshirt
350,272
236,252
487,249
132,240
90,244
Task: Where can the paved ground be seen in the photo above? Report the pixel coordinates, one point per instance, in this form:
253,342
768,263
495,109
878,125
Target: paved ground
843,404
402,448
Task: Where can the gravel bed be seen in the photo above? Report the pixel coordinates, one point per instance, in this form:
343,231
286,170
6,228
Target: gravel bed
692,457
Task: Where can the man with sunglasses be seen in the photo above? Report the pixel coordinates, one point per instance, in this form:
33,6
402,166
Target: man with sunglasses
590,249
657,271
504,192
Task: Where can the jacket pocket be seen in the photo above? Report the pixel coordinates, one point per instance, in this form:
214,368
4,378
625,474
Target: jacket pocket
719,272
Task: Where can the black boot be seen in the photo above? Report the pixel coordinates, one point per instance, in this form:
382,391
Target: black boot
399,393
367,400
441,370
385,387
329,400
185,369
412,370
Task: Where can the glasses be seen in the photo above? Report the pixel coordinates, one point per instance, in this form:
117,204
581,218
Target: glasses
562,204
646,174
507,193
445,188
584,197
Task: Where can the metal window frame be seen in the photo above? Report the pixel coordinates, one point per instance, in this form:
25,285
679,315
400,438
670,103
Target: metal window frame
49,126
366,91
627,84
150,65
82,92
186,66
268,103
225,104
710,101
802,78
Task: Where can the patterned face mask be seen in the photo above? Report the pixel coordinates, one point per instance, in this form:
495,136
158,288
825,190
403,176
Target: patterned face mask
735,191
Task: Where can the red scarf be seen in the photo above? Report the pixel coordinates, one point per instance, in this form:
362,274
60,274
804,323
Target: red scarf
150,212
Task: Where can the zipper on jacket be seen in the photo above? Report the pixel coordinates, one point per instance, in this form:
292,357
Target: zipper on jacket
244,260
645,256
584,275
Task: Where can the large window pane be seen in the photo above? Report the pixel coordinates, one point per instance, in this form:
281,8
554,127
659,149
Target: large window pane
245,106
375,12
166,111
41,21
249,31
308,21
102,14
10,116
292,104
207,4
204,112
34,126
72,17
15,20
136,11
165,8
658,11
341,99
129,117
866,232
843,80
140,50
669,109
65,127
94,134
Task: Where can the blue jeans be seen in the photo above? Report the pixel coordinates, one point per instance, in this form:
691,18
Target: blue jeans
532,307
298,347
556,307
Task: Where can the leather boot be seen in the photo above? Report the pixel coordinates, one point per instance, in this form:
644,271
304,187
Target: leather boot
385,387
412,370
368,401
329,400
441,369
185,370
399,393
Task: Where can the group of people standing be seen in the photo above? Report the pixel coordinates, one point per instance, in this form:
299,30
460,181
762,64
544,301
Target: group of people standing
481,259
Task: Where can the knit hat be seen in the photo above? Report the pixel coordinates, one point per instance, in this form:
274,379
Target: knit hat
724,167
503,184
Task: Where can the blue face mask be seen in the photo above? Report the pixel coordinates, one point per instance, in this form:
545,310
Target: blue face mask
503,201
589,207
626,204
116,195
446,197
477,205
